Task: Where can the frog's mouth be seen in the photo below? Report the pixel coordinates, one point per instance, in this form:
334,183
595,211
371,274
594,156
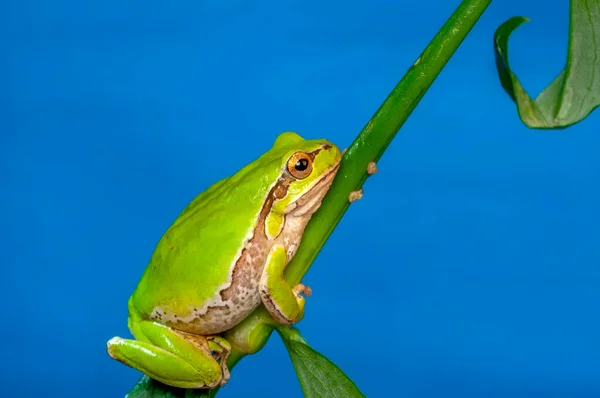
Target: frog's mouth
310,201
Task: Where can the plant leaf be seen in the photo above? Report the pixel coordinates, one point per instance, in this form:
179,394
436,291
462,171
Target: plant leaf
148,388
318,376
575,92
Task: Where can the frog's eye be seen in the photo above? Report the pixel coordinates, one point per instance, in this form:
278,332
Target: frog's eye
299,165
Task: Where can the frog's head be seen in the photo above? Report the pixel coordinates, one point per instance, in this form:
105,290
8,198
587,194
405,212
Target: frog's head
307,169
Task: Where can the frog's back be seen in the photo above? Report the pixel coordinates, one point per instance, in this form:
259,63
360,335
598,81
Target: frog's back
193,261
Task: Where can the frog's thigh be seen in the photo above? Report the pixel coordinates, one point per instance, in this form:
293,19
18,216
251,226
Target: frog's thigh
167,356
285,304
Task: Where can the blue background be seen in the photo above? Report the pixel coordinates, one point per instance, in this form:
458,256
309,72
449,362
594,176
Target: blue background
470,268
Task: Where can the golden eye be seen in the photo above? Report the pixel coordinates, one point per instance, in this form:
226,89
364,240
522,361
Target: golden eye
299,165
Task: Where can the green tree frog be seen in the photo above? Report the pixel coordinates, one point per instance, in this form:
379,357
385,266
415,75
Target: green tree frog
223,256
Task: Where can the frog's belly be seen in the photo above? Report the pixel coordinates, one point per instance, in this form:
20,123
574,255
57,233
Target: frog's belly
223,316
216,317
235,301
230,306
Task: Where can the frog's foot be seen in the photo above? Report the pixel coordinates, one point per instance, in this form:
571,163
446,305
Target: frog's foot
220,350
302,288
286,305
174,358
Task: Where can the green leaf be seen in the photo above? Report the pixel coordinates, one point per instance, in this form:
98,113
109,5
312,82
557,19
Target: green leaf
148,388
575,92
318,376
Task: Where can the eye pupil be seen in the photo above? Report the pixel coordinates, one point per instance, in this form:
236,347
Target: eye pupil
301,165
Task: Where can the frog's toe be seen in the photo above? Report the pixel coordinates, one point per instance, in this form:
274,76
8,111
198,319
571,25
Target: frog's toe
355,195
302,288
372,168
220,349
112,347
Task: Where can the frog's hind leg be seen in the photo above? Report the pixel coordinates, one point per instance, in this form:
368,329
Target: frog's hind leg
174,358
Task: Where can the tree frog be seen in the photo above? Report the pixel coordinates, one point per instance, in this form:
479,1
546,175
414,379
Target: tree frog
222,257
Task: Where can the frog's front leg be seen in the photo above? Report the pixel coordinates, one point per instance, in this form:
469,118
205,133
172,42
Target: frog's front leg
284,304
175,358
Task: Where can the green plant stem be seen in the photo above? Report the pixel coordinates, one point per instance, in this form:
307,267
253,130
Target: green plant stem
375,137
368,147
